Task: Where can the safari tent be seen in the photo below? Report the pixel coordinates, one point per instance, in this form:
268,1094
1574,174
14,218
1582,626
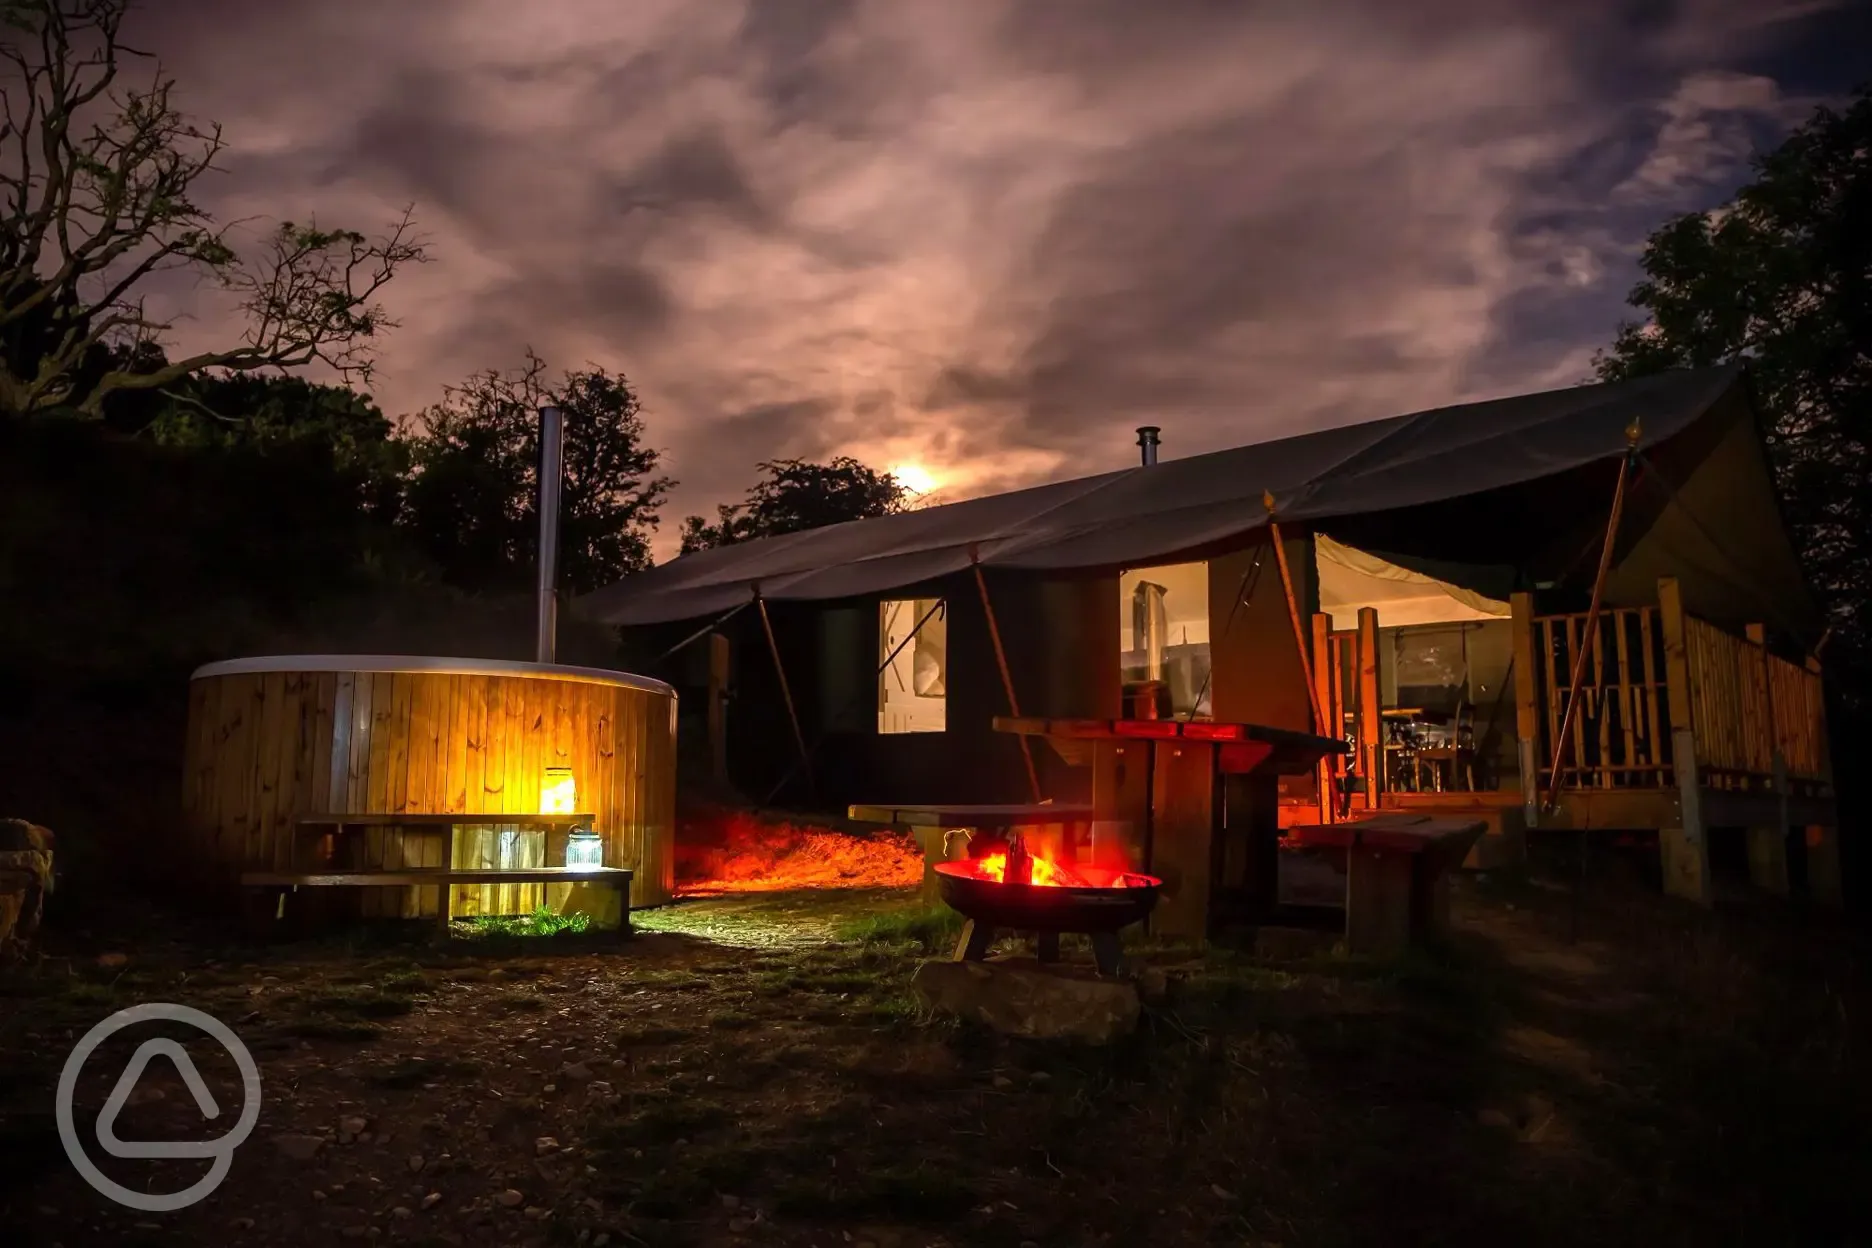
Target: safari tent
1579,608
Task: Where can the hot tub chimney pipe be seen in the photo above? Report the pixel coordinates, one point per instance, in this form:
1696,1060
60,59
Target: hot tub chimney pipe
551,472
1147,442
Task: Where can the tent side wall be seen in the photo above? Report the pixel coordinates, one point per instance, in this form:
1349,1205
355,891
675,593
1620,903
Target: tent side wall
1061,640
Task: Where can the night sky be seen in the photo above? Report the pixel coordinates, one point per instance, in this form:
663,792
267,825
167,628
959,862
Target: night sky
985,238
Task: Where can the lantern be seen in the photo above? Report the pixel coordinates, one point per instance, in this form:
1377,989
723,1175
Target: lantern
584,848
558,795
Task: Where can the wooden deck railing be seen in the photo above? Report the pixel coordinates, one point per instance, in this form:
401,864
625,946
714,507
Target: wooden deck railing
1620,736
1756,718
1756,714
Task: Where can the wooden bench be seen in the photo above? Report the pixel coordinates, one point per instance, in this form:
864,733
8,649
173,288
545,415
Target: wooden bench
280,883
1397,874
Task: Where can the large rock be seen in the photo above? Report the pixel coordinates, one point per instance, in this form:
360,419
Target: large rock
25,878
1019,997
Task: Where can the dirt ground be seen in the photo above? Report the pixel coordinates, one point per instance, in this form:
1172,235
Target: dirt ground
754,1071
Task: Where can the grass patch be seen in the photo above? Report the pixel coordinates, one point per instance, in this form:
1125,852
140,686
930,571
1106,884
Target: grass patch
660,1122
675,981
329,1029
733,1020
833,983
409,983
649,1034
922,1194
686,1181
365,1004
542,922
517,1003
929,928
413,1072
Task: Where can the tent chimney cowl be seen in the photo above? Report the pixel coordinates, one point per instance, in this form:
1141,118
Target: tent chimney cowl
1147,443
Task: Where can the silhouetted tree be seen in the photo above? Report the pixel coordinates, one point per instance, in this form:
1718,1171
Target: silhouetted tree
329,425
95,183
797,495
1782,277
470,501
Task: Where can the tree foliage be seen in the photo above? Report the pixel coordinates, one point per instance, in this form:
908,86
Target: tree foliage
796,495
1782,277
96,178
330,426
470,502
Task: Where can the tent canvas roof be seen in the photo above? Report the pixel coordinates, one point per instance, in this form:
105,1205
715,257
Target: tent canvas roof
1142,515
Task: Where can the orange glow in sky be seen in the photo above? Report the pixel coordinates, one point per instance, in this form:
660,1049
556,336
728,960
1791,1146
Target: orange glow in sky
914,477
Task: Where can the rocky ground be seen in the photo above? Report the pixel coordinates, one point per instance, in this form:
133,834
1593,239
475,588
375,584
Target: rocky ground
754,1071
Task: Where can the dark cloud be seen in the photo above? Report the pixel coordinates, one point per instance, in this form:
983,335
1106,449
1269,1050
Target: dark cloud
989,238
694,171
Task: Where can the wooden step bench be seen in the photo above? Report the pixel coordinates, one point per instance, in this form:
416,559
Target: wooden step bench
1397,874
281,883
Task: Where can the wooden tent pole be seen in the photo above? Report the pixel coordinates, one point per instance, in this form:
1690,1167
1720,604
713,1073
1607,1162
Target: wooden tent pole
1301,636
1588,633
1007,677
786,692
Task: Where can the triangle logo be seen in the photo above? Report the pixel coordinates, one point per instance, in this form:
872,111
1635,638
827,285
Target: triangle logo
120,1095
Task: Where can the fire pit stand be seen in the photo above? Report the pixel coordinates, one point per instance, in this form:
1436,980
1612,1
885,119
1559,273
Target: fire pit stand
1111,902
978,938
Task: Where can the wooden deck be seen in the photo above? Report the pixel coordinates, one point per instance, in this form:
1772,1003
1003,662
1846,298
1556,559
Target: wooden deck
1680,726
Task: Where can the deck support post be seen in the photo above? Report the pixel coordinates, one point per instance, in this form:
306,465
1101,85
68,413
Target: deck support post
1822,841
1370,713
1527,705
1768,846
1683,846
1325,676
1823,866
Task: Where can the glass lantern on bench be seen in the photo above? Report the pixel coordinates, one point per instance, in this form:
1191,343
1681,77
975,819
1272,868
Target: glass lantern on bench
584,848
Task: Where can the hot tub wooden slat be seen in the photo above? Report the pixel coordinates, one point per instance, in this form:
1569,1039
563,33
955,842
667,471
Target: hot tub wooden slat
266,749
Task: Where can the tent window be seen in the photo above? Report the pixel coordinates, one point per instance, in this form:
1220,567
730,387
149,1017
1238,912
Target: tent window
913,688
1163,629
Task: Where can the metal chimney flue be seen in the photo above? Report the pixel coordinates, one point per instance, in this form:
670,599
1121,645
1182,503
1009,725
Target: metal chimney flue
551,473
1147,443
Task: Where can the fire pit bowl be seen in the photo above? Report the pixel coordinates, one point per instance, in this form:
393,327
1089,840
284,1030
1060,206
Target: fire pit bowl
1099,904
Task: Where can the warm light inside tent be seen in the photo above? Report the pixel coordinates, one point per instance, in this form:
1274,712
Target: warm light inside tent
558,794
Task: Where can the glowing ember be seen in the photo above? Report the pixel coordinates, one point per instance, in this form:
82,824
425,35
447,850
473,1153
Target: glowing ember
1047,873
735,853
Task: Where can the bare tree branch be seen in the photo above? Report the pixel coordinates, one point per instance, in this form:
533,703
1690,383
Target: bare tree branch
95,179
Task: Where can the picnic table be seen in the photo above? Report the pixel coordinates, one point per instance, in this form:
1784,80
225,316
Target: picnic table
1194,802
1054,830
1397,874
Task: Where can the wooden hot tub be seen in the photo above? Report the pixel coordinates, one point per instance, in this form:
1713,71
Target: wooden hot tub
283,750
